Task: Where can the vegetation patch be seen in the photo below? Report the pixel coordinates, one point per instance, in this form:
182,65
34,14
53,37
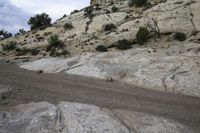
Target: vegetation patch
142,35
68,26
5,34
75,11
109,27
89,11
114,9
101,48
123,44
39,20
22,31
179,36
138,3
10,46
54,42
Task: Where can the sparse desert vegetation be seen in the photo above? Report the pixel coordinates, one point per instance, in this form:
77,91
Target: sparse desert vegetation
54,42
123,44
108,27
179,36
5,34
142,35
146,53
9,46
101,48
68,26
138,3
39,20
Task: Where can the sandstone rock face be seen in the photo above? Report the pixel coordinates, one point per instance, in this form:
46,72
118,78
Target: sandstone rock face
173,16
195,10
81,118
31,118
175,69
163,16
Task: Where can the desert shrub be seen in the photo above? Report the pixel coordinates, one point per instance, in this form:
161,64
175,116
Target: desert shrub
107,11
123,44
54,41
179,36
142,35
22,31
10,46
5,34
39,20
114,9
109,27
101,48
138,3
88,11
68,26
75,11
35,52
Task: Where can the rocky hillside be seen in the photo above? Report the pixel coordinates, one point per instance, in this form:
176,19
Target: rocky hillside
111,24
155,45
163,34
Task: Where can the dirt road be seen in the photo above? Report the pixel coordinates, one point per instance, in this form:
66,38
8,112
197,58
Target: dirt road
29,86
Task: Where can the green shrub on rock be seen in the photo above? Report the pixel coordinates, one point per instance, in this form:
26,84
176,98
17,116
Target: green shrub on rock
10,46
108,27
68,26
179,36
89,11
101,48
142,35
138,3
123,44
114,9
39,20
54,41
5,34
73,12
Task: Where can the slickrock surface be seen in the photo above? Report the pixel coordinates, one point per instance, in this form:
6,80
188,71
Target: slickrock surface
68,117
175,70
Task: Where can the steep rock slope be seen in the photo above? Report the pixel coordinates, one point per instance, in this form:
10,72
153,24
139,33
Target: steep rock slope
162,17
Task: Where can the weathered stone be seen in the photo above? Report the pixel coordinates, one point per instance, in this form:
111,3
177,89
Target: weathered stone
175,69
81,118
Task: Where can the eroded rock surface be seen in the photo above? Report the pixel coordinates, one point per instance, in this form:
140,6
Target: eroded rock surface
176,69
160,16
81,118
